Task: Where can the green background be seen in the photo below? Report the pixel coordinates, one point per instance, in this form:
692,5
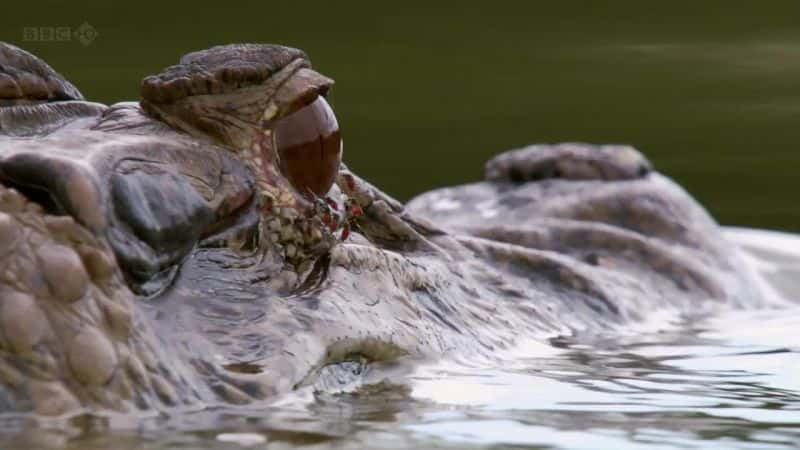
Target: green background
427,92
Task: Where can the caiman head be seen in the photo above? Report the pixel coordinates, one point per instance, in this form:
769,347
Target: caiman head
193,247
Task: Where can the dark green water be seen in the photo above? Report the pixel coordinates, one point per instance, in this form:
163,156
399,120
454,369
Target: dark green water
425,93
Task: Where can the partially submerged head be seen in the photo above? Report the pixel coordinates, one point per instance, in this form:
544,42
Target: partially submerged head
267,105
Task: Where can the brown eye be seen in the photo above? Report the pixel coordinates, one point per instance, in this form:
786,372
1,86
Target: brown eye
309,148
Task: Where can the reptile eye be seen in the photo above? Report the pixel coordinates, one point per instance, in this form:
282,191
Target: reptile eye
309,148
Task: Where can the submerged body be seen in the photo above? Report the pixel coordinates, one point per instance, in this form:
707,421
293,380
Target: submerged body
174,252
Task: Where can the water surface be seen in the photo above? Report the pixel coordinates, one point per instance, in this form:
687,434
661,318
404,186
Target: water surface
727,381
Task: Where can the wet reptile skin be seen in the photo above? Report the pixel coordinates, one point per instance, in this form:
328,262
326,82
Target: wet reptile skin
137,270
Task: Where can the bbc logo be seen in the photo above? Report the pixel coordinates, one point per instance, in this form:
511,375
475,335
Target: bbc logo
85,34
47,34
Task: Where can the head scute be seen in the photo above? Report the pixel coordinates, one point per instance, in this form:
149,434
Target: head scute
220,70
224,91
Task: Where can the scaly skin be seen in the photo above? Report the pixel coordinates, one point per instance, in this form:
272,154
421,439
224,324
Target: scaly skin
150,262
71,334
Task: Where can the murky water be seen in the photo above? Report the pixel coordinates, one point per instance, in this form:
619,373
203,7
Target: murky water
728,381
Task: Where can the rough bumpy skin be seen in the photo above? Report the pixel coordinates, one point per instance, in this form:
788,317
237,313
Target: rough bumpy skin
225,91
70,332
26,79
152,256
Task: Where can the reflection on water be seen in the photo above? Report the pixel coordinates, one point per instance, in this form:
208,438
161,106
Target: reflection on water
705,384
726,381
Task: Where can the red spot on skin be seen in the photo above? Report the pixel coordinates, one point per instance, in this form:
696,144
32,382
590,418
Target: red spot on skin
329,221
331,203
356,210
350,182
345,233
